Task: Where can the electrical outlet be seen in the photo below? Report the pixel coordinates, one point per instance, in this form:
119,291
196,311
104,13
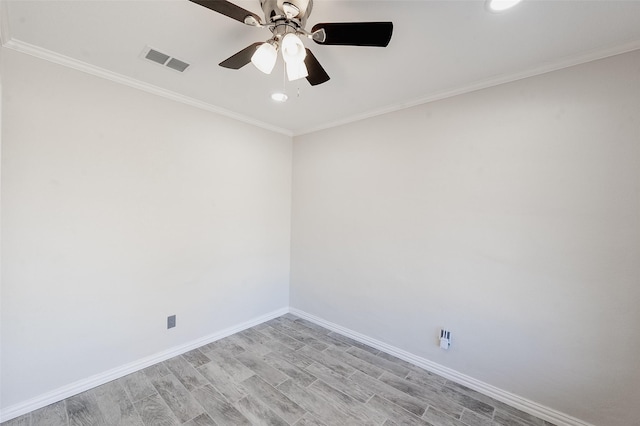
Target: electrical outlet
445,339
171,321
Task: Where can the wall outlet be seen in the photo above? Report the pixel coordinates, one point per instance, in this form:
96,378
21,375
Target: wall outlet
171,321
445,339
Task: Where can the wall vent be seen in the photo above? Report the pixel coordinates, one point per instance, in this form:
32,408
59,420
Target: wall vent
164,59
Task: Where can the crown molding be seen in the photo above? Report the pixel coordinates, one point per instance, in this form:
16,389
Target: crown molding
567,62
66,61
51,56
4,22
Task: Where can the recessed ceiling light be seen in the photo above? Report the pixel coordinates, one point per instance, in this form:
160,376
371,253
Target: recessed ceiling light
500,5
279,97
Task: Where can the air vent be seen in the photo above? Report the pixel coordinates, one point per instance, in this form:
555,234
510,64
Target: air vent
164,59
155,56
177,64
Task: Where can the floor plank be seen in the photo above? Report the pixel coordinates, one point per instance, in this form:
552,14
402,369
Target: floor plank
399,415
380,362
201,420
229,362
355,362
185,372
345,403
286,340
231,389
222,412
390,393
268,373
280,403
83,410
183,405
339,382
258,413
316,404
430,394
51,415
196,358
116,407
138,386
328,361
302,377
19,421
155,412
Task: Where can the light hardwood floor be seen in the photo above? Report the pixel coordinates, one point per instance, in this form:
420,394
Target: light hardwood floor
287,371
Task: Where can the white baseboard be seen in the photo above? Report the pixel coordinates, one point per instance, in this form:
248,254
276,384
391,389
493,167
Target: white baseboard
556,417
75,388
528,406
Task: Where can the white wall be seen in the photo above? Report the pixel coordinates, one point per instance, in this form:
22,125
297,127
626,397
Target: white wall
509,215
121,208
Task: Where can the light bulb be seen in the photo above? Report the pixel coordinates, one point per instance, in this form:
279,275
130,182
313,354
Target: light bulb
292,48
296,70
500,5
265,57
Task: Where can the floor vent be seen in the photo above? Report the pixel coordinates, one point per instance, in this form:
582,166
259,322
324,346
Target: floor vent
164,59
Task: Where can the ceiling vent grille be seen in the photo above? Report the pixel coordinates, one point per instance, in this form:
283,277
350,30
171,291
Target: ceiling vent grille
164,59
177,64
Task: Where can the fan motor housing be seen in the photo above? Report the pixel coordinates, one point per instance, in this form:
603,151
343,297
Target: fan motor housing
276,10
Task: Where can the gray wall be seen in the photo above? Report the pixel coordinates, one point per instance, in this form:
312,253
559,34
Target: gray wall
510,216
119,209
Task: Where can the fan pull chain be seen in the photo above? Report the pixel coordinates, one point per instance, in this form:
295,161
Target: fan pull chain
284,78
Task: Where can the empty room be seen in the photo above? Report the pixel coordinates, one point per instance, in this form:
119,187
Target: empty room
329,212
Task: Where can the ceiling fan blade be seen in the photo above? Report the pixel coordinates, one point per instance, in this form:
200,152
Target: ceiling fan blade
317,74
377,34
241,58
229,9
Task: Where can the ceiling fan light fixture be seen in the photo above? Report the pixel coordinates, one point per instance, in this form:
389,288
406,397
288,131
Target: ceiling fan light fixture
287,19
500,5
296,70
265,57
292,49
290,10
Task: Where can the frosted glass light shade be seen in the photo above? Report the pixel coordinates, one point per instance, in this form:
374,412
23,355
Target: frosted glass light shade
265,57
292,48
296,70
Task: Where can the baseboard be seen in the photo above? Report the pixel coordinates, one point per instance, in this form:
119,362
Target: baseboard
75,388
556,417
528,406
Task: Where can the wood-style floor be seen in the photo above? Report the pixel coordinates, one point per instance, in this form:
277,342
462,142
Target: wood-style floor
287,371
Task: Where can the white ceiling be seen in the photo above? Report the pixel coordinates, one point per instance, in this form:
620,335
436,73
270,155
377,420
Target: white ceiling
438,49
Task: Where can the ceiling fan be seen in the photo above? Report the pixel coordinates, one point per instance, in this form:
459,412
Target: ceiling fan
286,19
